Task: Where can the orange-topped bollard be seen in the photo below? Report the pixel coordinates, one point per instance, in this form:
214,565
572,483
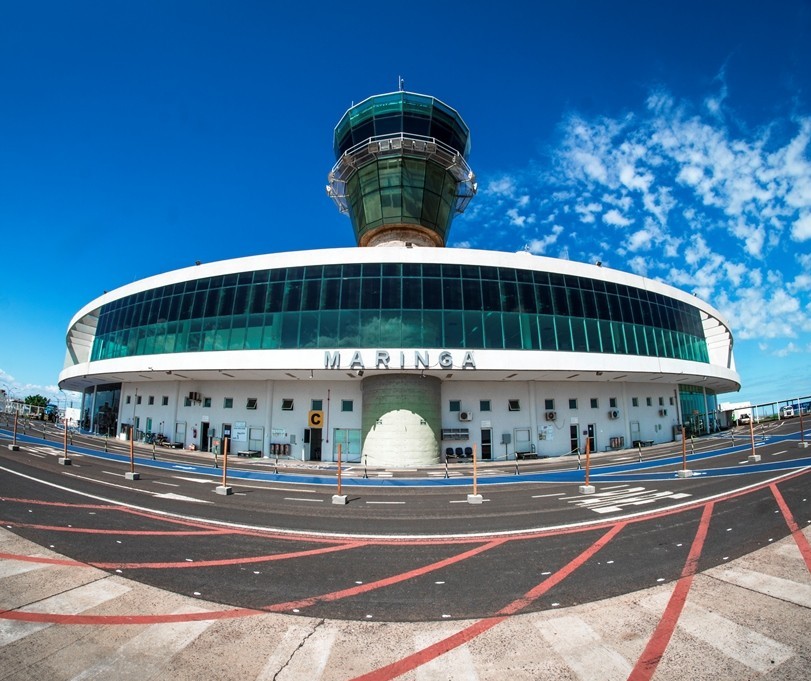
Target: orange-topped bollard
224,488
340,497
587,488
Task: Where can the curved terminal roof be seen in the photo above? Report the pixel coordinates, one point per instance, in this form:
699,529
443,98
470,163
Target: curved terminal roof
718,373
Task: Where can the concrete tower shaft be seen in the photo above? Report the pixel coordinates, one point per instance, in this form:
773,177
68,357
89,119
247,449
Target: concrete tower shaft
401,171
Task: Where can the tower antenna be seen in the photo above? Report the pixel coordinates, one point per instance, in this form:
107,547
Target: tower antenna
400,83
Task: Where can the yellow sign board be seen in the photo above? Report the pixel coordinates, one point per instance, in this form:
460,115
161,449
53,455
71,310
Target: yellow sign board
315,418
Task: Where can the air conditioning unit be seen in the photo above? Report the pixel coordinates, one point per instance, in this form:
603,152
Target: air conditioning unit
663,412
551,415
613,413
465,416
195,397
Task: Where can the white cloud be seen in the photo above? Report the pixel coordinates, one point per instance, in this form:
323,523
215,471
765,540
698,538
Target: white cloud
615,218
801,229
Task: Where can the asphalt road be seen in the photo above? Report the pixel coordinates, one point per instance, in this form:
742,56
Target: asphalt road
404,548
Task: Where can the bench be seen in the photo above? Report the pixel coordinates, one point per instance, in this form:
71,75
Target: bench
643,443
529,454
251,453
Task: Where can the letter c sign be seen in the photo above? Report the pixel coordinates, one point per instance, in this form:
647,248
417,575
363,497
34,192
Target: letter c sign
315,419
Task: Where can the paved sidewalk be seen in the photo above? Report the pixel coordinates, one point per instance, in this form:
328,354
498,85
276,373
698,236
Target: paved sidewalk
747,619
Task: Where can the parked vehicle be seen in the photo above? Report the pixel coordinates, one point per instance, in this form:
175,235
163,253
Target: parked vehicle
744,419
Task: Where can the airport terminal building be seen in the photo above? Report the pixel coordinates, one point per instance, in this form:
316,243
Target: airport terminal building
400,351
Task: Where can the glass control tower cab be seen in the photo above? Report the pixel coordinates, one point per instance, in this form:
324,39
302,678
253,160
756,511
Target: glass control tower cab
401,169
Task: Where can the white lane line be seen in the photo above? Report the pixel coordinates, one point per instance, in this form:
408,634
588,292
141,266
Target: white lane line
300,499
385,502
302,654
544,496
179,497
743,644
168,484
147,655
201,480
70,602
583,650
288,489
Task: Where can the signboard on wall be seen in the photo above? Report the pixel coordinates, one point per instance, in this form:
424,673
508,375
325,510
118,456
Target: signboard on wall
240,432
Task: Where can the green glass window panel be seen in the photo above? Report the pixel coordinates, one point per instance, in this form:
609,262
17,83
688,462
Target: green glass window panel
370,293
311,298
308,330
390,298
412,329
350,294
530,338
432,329
472,294
430,208
579,343
391,200
564,333
292,296
512,331
328,329
412,204
237,340
349,328
290,329
549,338
412,293
493,336
474,329
432,293
253,338
509,296
593,336
452,294
607,337
454,330
390,329
271,338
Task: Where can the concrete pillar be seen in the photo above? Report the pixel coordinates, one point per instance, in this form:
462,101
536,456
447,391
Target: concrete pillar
401,420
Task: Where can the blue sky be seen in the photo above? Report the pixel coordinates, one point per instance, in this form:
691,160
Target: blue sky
671,139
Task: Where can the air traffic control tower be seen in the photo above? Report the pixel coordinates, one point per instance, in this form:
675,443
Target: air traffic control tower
401,175
401,172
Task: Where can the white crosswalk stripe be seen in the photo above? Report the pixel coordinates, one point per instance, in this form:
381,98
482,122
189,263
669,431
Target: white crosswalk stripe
146,655
743,644
9,568
302,654
71,602
455,664
776,587
583,650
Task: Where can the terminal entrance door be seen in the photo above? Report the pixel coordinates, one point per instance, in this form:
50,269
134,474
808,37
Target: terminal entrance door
487,444
574,438
204,436
313,437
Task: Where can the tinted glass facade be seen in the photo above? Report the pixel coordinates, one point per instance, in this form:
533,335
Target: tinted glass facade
401,191
401,112
389,305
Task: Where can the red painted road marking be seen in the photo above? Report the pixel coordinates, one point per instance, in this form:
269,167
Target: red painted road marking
89,530
42,559
652,655
796,532
228,561
439,648
104,620
388,581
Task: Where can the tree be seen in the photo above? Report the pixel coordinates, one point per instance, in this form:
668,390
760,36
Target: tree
39,403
